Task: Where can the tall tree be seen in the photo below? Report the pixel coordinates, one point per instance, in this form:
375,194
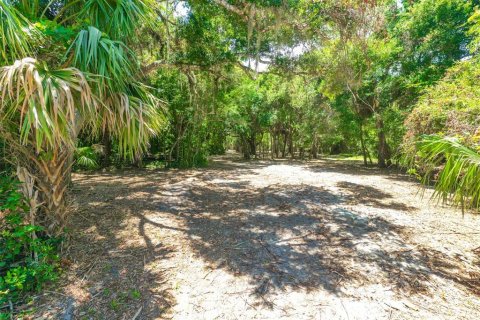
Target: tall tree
47,101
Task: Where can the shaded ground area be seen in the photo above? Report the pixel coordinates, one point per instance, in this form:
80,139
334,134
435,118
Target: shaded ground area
265,240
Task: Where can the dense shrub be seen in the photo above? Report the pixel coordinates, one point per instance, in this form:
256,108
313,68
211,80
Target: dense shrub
442,143
28,258
450,108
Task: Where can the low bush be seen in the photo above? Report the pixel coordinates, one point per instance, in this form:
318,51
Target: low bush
28,258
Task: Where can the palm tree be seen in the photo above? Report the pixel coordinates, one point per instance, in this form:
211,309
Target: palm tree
97,89
41,115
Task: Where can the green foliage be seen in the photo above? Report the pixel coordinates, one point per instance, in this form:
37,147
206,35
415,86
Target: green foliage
119,18
56,39
458,181
451,107
87,158
16,34
47,99
112,60
28,259
433,34
195,115
474,32
383,59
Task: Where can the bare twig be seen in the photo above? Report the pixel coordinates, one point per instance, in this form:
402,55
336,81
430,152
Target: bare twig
54,292
137,314
348,317
10,304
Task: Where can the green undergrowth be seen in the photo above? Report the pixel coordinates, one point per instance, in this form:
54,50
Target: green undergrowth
28,257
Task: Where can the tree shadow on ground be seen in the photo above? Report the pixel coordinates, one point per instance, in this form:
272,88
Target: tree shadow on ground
284,237
358,169
298,238
111,275
370,196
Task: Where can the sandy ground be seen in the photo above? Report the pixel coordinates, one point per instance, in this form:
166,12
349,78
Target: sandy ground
265,240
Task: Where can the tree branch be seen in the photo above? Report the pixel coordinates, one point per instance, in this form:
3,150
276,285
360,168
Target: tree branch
182,66
241,12
249,72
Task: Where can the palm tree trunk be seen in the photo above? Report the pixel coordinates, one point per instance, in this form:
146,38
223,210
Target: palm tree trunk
46,177
51,174
53,177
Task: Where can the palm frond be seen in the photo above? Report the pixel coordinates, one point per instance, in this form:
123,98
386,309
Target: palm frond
16,34
86,162
86,158
29,7
459,179
128,110
49,104
95,53
118,18
133,118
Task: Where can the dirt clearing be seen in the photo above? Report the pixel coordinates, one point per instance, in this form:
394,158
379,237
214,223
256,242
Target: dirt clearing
265,240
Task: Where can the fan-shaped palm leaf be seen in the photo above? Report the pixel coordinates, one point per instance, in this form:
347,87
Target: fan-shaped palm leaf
16,34
48,103
118,18
95,53
133,118
86,158
459,179
128,110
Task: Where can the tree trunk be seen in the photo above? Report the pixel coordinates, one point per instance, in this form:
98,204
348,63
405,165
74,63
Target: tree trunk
51,175
284,150
107,149
383,148
245,148
362,143
314,147
272,144
253,145
290,145
277,145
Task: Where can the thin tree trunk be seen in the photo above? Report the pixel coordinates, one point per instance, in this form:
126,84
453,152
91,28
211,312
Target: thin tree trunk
272,144
362,142
383,148
262,147
253,145
107,149
290,144
314,147
277,146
